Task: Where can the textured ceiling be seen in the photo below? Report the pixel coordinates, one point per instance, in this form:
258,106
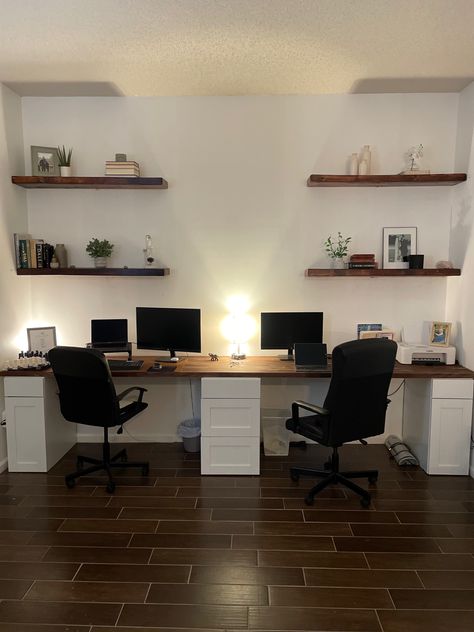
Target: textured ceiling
235,47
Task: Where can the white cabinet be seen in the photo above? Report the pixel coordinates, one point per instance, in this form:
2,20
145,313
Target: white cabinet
230,425
37,434
437,422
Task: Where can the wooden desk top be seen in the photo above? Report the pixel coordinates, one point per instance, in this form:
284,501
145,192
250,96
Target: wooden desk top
258,366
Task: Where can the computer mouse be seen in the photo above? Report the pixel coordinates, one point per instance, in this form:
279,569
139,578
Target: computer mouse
157,366
175,359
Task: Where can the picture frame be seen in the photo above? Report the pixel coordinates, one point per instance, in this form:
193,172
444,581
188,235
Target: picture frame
44,161
41,338
440,333
361,327
398,244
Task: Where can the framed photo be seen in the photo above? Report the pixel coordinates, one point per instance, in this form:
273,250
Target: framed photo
44,161
440,333
41,338
398,244
361,327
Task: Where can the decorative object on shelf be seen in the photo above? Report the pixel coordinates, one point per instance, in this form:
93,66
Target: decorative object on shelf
54,265
148,251
120,157
44,161
440,333
366,155
41,339
337,249
214,357
64,159
414,156
61,255
442,265
415,262
363,168
354,165
398,243
100,251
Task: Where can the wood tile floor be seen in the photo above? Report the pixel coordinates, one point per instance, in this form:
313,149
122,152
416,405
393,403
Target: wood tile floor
177,551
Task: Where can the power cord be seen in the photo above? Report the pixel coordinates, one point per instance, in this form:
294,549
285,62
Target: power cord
397,389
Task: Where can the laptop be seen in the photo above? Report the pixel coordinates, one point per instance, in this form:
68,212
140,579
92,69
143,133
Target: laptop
111,332
310,356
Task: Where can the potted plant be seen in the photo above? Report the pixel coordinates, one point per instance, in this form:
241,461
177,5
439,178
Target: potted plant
337,249
64,159
100,250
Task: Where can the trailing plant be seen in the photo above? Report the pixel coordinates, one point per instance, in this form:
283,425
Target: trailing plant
64,156
337,248
99,248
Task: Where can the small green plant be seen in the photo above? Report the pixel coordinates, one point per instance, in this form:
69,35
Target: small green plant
337,249
64,156
99,248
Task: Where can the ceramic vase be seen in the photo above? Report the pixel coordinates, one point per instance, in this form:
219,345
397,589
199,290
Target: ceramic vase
60,253
337,263
65,172
100,262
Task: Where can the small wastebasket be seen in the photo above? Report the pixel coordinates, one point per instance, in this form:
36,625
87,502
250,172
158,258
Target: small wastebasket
190,431
276,438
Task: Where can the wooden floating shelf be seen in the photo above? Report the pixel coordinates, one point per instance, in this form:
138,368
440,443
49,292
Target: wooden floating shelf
93,271
404,272
102,182
398,180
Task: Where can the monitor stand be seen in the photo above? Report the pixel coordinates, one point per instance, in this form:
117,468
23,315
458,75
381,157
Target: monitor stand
125,348
171,358
289,357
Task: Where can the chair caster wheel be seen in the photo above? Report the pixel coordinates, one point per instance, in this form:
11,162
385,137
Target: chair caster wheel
309,500
294,477
145,470
70,482
373,479
365,502
110,487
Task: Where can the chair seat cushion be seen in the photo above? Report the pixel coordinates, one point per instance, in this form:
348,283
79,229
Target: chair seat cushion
314,427
132,409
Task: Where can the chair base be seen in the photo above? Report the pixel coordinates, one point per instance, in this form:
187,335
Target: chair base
106,463
331,475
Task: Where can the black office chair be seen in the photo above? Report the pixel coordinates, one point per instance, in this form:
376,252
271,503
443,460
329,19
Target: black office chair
87,396
354,409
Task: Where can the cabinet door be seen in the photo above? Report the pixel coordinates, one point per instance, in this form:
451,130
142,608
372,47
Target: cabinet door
230,417
230,455
450,434
26,434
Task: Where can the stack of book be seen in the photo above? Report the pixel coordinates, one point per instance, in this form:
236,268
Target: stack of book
32,253
363,261
127,169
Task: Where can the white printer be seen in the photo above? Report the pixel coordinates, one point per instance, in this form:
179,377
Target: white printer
425,354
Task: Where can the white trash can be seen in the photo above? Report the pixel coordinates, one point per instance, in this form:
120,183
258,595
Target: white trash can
276,438
190,431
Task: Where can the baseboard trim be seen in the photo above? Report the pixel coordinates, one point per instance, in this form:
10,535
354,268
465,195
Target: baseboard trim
90,437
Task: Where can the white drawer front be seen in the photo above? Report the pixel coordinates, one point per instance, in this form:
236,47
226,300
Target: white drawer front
230,455
230,387
453,389
230,417
26,441
450,437
24,386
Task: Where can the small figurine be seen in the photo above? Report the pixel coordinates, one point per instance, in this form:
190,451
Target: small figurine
414,156
214,357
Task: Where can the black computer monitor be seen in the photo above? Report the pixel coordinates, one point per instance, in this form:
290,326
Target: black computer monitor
169,329
110,332
280,330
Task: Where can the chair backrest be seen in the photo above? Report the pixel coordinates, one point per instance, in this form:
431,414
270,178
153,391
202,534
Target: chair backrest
357,396
86,390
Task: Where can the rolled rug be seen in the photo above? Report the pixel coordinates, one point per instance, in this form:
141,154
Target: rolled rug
400,451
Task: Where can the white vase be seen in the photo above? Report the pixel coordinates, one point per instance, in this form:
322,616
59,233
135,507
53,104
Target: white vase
65,172
100,262
338,263
366,155
354,165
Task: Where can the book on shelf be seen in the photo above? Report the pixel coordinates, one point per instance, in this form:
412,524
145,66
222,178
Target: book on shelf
17,237
125,163
362,256
360,265
23,250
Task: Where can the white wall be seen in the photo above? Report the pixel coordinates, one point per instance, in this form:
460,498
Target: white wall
238,218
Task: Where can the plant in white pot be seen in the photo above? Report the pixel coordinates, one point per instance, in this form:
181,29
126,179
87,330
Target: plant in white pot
336,249
64,159
100,250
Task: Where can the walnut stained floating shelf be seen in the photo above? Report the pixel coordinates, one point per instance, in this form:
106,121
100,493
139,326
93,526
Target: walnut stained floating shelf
94,271
101,182
397,180
390,272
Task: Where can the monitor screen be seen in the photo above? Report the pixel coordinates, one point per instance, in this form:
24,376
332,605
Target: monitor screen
280,330
170,329
109,331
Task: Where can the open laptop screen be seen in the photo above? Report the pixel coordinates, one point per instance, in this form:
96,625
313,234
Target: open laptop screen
112,331
310,354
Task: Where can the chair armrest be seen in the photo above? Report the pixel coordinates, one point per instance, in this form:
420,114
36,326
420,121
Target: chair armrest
124,393
307,406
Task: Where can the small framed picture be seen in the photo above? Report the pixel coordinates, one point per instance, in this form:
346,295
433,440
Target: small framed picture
440,333
361,327
44,161
398,244
41,338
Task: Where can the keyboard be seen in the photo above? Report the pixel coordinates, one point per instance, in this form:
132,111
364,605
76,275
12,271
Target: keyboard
124,365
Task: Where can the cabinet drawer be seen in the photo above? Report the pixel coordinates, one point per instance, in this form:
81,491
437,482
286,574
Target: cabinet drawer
452,389
230,455
450,435
230,417
230,387
24,386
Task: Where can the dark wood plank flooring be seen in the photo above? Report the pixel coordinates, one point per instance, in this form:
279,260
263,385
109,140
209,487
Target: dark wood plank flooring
177,551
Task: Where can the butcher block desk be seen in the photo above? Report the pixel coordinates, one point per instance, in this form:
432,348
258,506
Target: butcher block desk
436,416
